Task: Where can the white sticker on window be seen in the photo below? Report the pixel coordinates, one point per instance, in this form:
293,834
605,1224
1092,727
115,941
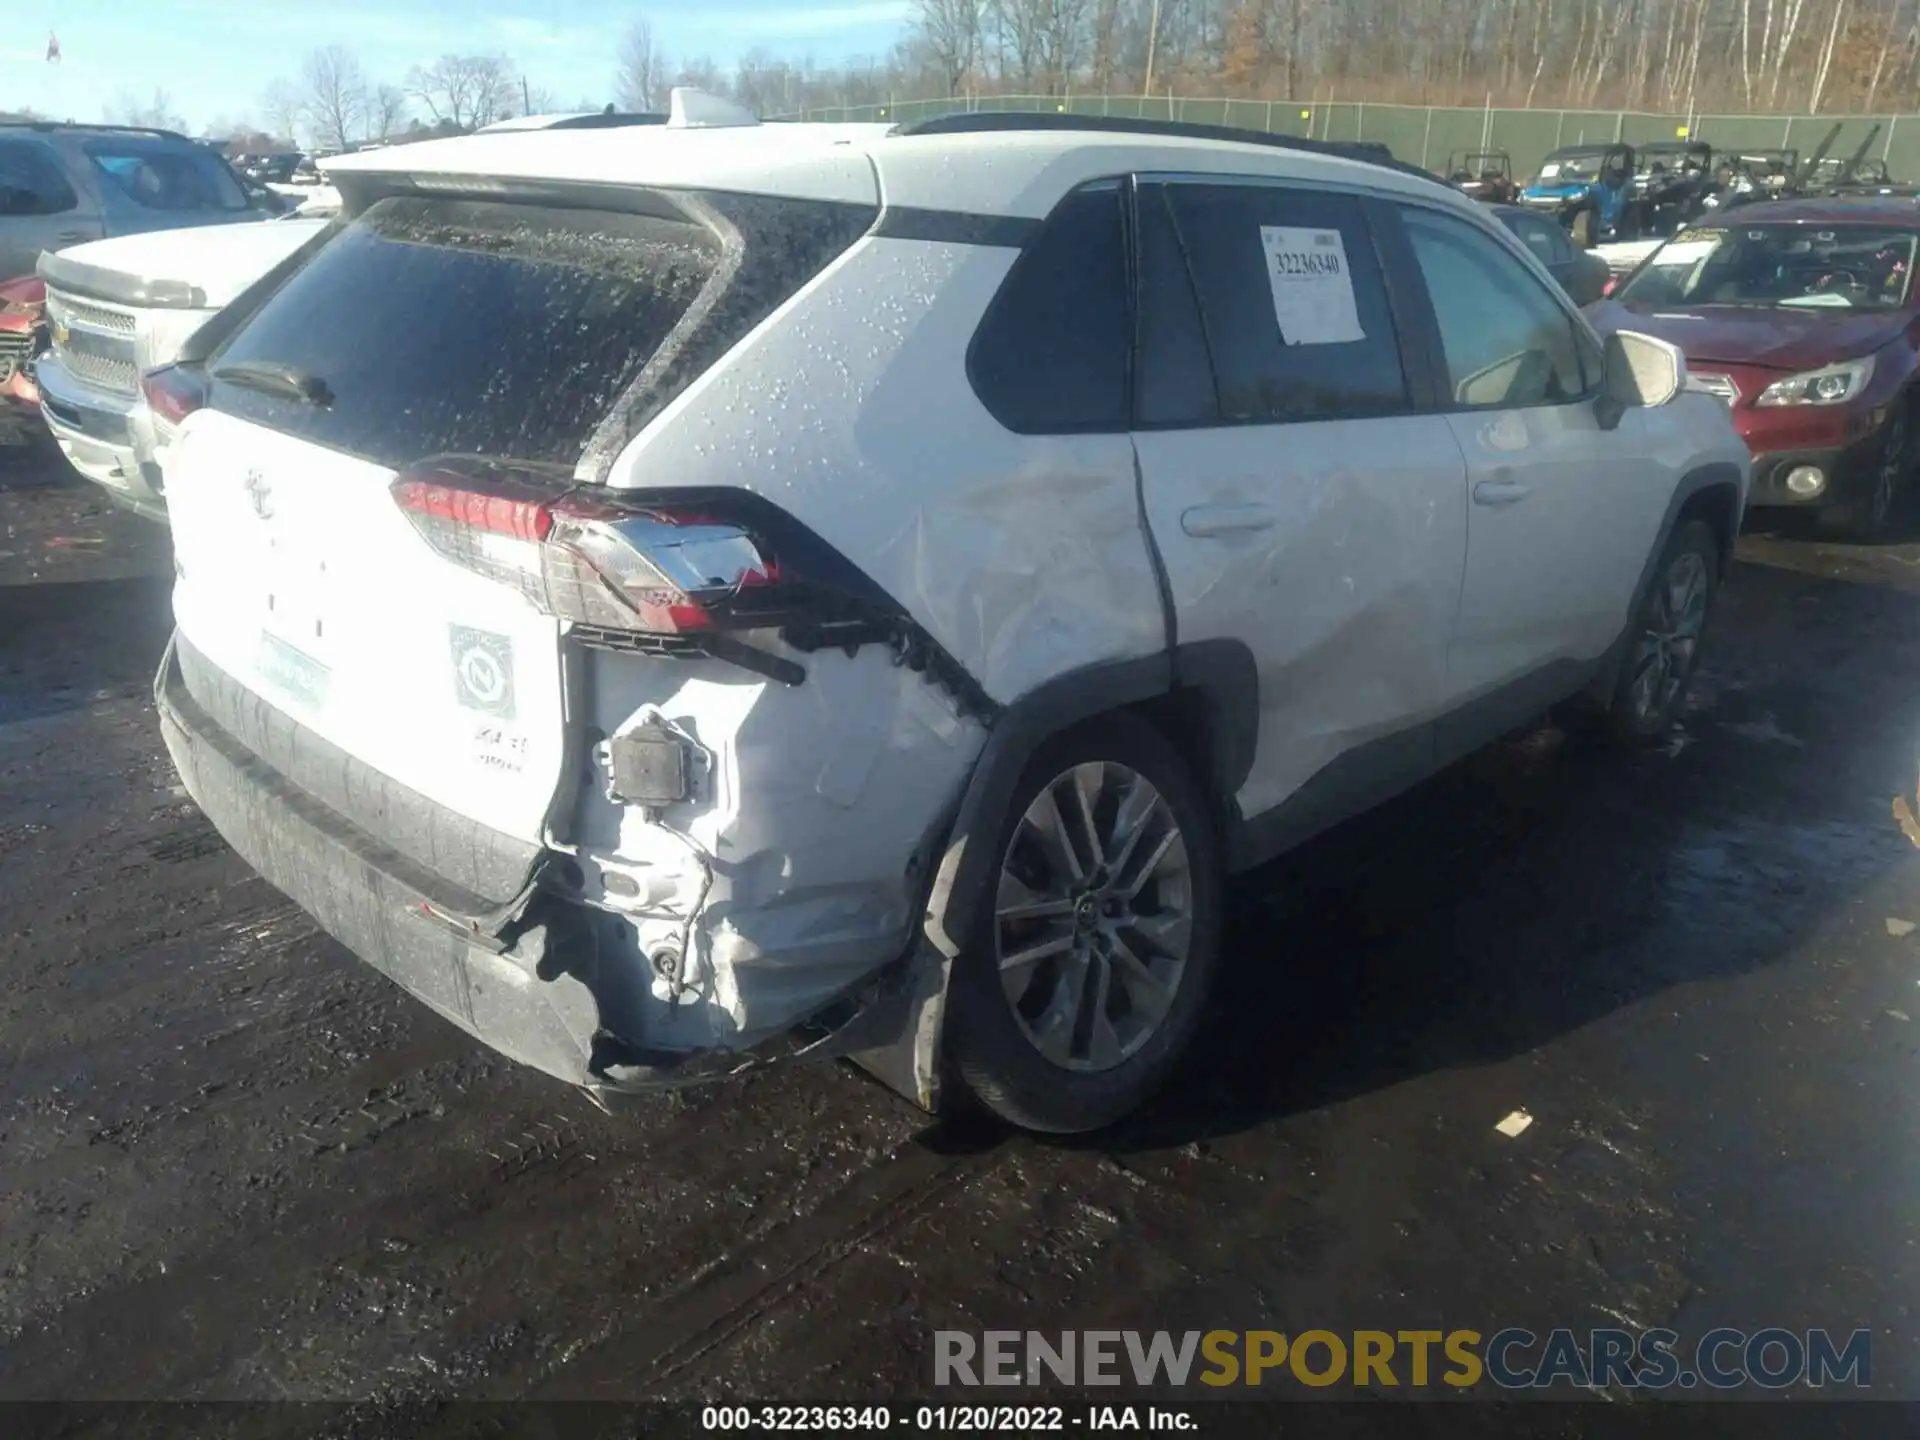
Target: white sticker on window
1312,286
1548,172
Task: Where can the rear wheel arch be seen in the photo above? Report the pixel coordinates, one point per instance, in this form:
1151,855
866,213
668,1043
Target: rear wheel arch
1202,696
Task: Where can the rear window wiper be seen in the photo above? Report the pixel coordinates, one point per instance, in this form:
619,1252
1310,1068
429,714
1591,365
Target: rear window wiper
273,379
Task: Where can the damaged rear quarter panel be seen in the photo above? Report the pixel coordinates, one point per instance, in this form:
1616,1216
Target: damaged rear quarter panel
1023,556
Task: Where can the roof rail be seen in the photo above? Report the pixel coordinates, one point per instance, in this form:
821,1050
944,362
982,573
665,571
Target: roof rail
47,125
990,121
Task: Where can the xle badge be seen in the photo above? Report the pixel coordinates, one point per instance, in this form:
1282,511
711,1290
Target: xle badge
482,670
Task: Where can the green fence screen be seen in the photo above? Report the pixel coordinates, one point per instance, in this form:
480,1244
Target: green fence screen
1426,136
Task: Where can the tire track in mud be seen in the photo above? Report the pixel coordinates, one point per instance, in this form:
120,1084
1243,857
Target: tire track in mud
462,1197
718,1301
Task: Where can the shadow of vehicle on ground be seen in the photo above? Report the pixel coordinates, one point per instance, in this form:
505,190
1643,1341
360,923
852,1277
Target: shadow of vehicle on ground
1547,882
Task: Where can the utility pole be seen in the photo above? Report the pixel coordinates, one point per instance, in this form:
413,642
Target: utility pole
1153,38
526,97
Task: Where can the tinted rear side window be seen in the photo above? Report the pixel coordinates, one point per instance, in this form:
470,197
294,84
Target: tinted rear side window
1296,311
158,175
448,326
1050,356
31,182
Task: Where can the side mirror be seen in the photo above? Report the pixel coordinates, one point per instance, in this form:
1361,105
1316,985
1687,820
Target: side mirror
1638,371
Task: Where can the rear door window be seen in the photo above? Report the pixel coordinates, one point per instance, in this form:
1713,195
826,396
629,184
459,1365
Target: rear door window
1294,305
165,175
469,327
31,182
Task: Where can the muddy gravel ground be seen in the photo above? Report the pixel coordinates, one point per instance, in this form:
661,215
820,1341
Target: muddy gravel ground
237,1164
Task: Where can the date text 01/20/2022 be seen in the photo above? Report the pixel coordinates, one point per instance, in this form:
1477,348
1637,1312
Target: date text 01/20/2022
1009,1419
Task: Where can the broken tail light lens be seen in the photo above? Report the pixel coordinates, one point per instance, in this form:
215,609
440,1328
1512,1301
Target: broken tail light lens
174,392
653,565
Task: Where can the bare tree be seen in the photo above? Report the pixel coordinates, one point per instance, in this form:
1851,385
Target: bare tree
333,96
386,111
280,104
640,83
538,100
157,113
1826,55
702,74
466,91
950,32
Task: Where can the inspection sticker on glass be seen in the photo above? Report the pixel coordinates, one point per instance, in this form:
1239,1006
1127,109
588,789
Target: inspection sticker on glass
1312,287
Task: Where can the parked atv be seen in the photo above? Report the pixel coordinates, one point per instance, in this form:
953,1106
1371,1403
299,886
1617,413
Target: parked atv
1855,177
1671,183
1485,175
1589,189
1754,175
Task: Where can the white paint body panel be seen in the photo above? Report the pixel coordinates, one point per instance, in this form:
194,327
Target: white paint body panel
1550,575
222,260
337,572
850,408
1346,594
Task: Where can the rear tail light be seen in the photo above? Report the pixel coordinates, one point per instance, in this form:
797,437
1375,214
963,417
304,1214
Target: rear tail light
174,392
683,564
682,572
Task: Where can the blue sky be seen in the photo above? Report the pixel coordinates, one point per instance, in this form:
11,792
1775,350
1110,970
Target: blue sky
214,57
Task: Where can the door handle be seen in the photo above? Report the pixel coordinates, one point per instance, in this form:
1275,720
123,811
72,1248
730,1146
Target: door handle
71,237
1500,492
1201,521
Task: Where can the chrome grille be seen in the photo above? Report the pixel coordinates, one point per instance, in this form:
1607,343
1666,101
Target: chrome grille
109,374
15,344
80,312
1721,387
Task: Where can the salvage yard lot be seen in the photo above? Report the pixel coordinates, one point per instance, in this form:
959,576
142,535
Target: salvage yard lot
243,1165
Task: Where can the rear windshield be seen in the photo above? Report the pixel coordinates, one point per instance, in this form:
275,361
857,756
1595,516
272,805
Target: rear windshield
472,327
158,175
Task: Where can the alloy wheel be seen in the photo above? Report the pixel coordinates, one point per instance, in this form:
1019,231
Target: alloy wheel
1675,615
1094,916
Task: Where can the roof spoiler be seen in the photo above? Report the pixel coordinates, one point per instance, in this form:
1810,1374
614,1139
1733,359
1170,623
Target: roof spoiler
690,109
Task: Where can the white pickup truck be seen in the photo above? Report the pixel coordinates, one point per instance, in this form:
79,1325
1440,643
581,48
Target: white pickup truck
121,307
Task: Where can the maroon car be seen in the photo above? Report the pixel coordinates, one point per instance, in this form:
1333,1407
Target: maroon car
1804,318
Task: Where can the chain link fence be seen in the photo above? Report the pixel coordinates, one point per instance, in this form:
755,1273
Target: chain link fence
1427,135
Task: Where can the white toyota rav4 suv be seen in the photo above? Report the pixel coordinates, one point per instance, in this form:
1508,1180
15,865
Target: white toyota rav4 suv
675,598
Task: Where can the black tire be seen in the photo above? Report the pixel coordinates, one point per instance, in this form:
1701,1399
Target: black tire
990,1049
1868,518
1627,716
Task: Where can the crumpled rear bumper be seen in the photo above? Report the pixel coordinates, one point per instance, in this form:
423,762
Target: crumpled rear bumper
522,978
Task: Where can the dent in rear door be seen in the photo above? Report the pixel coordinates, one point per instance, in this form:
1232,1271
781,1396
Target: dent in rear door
1298,500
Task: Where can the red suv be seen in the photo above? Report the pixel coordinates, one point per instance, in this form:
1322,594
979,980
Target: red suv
1804,318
